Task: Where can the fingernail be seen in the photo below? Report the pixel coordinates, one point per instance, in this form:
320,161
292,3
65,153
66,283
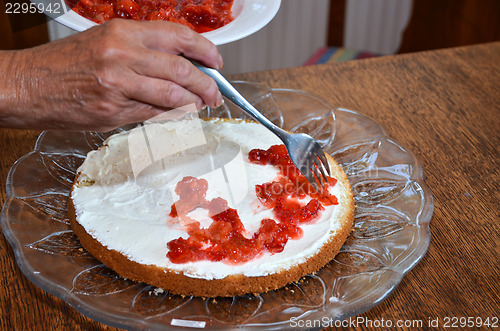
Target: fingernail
219,100
221,62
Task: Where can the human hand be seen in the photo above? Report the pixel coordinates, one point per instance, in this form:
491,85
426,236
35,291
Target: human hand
113,74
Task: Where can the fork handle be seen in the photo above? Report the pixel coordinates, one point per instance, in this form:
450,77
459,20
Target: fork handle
232,94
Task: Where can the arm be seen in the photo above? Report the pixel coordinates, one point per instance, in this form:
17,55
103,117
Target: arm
110,75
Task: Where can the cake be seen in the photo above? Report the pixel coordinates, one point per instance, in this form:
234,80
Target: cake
206,208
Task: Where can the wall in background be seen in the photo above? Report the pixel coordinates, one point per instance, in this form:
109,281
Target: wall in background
58,31
297,31
376,26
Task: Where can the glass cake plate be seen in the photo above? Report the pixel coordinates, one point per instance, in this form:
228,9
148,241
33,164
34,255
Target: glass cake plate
390,236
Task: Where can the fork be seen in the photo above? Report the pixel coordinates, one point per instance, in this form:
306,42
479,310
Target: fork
304,151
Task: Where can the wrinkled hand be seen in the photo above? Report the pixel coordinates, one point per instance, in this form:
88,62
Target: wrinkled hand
110,75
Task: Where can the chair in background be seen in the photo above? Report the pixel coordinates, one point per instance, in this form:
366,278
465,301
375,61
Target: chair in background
21,30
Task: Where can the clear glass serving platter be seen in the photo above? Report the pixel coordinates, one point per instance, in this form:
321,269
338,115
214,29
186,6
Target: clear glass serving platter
391,230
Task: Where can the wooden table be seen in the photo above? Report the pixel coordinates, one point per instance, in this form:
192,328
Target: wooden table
443,106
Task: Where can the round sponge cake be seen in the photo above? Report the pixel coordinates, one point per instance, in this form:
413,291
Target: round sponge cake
123,198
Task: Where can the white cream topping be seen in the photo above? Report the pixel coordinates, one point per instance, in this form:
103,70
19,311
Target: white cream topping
130,214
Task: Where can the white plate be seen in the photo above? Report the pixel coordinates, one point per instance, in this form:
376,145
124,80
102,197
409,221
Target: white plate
250,17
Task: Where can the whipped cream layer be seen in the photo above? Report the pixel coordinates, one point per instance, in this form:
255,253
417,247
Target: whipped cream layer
124,204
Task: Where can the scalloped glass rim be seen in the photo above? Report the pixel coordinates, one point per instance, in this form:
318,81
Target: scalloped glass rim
394,208
250,17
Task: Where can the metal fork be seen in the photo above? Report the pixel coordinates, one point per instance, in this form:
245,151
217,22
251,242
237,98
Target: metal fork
304,151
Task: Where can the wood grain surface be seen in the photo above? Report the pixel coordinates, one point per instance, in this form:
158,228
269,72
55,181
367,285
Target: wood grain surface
442,105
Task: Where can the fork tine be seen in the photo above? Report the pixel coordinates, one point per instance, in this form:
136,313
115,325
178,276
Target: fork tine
324,161
321,168
319,178
310,178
